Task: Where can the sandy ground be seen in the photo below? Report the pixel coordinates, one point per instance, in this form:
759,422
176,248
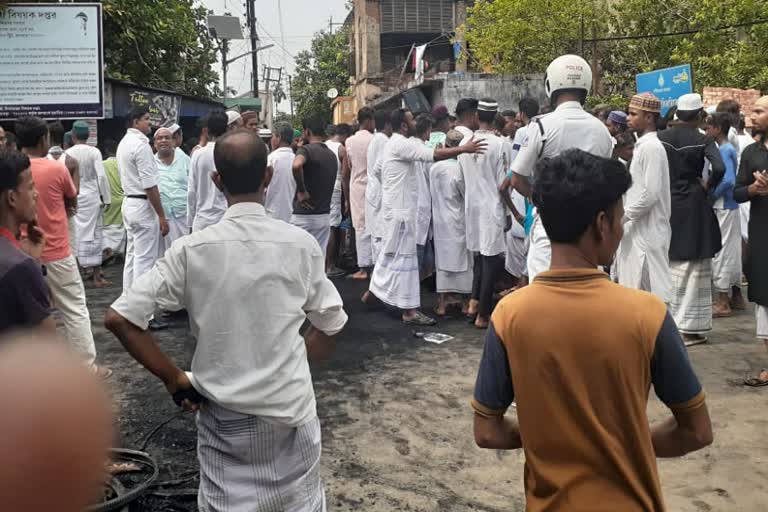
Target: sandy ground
397,426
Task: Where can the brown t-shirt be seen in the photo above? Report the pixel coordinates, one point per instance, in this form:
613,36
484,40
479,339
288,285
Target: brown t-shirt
578,354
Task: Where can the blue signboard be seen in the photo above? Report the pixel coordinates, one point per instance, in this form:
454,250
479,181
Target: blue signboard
666,84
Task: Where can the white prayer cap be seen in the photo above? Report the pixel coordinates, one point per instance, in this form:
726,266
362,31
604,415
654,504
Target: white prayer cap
689,102
174,128
232,117
488,105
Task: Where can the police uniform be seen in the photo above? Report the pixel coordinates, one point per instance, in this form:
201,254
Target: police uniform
568,127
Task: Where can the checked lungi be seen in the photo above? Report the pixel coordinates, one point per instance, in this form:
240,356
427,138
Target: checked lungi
250,465
691,304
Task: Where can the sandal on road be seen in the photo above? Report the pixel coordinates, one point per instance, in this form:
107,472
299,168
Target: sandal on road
759,381
696,339
420,319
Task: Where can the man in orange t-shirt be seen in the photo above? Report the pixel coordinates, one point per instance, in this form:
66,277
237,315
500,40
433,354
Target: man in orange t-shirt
578,354
54,185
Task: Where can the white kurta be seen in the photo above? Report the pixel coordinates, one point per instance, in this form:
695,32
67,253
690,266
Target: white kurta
424,206
373,189
517,241
452,258
483,174
278,198
94,191
395,279
206,204
642,261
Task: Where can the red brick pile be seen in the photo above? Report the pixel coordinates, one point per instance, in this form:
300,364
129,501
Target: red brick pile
745,97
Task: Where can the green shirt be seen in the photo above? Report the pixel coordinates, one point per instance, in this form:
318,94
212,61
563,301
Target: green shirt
173,184
113,215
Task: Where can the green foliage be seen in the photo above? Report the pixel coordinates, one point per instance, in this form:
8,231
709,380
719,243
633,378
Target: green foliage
523,36
159,43
324,66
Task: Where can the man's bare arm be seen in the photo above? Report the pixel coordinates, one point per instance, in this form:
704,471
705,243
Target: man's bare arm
319,345
346,176
686,432
298,172
70,203
497,432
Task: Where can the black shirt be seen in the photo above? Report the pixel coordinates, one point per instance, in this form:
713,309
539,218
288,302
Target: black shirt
319,178
23,292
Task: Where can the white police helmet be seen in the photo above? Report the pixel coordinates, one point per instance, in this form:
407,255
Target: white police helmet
568,72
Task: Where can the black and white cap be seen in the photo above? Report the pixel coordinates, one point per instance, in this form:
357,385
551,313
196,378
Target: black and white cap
488,105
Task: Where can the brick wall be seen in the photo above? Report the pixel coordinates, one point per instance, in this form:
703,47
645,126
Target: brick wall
745,97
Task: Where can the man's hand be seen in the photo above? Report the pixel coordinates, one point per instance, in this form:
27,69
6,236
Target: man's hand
34,242
164,226
475,146
183,393
305,200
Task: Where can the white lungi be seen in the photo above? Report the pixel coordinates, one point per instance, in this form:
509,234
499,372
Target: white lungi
375,249
395,279
335,216
726,265
68,293
72,229
540,250
316,225
88,222
456,282
114,238
363,247
177,228
744,209
761,316
248,464
691,305
517,252
143,243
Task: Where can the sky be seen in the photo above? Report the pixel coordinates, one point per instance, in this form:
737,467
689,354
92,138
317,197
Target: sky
300,20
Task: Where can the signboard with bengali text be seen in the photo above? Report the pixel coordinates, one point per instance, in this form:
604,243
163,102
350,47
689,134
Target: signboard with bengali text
51,61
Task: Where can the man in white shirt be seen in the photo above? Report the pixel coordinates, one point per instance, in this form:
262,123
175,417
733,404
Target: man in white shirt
278,198
395,279
453,260
93,194
642,261
205,203
258,430
466,117
485,215
373,188
568,82
143,213
357,152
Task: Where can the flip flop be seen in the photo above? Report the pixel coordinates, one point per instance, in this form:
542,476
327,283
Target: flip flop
755,382
420,319
691,343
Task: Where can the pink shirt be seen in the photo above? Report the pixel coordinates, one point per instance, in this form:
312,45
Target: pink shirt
357,152
53,183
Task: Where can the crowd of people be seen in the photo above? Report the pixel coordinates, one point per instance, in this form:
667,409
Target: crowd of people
542,225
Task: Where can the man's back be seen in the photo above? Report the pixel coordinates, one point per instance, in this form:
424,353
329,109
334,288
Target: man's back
484,211
582,353
320,170
206,203
53,183
278,198
250,357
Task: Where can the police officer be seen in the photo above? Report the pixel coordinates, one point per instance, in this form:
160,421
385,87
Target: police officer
567,83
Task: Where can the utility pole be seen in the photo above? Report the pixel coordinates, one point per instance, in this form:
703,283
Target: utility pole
595,70
224,64
250,7
290,92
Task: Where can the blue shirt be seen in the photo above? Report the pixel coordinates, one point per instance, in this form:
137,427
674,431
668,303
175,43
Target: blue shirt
173,184
725,188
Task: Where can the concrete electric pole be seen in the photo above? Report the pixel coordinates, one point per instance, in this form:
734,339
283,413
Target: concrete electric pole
250,7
